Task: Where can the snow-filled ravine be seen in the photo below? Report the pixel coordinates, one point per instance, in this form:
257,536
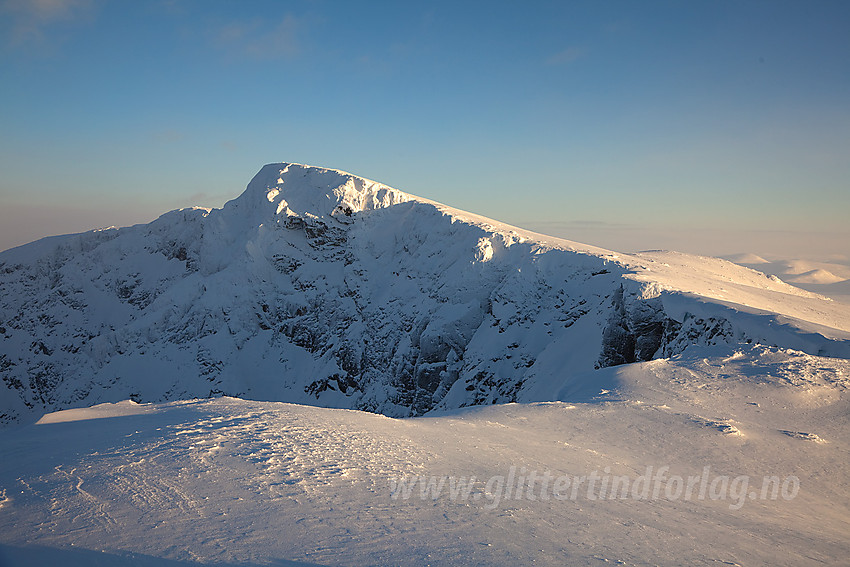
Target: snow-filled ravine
717,456
319,287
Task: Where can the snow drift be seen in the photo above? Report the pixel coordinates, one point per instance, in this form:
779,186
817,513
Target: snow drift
320,287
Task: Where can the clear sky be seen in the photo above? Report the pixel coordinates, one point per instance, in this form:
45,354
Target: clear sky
708,126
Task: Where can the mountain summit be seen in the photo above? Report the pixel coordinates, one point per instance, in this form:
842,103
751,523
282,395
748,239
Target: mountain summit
281,191
319,287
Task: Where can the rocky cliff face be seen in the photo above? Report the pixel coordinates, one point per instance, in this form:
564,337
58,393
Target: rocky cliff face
320,287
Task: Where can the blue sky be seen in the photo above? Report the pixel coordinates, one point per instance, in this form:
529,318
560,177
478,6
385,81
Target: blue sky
708,126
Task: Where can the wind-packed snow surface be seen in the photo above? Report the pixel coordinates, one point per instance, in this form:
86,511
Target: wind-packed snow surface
319,287
760,435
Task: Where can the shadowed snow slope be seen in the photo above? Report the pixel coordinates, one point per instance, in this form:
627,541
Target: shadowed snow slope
319,287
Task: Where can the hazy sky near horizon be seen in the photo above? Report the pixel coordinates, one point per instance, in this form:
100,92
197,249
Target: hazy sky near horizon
707,126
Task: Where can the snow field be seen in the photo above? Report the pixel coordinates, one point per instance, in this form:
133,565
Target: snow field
241,482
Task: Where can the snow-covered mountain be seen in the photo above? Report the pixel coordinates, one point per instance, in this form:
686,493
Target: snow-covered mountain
725,442
827,278
319,287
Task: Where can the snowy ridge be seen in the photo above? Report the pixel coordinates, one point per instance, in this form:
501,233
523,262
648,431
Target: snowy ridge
830,278
319,287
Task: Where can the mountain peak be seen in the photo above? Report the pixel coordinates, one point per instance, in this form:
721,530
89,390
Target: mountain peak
294,189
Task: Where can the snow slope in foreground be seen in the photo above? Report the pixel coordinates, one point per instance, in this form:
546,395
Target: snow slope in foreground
237,482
